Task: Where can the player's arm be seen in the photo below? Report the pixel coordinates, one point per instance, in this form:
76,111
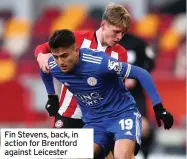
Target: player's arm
148,62
123,57
42,49
123,70
142,75
52,104
42,54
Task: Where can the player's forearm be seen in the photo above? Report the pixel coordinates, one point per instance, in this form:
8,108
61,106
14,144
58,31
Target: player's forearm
48,82
42,48
147,83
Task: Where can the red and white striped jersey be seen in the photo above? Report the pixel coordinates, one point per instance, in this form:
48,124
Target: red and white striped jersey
68,104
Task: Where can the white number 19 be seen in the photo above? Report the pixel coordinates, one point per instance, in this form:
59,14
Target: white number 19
126,124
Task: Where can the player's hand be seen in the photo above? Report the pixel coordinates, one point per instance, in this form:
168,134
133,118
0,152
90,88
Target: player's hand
52,105
162,114
43,62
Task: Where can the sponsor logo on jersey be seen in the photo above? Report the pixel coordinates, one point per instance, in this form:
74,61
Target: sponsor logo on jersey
115,65
89,99
128,133
92,81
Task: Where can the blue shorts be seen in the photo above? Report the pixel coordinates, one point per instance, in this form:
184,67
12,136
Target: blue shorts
127,125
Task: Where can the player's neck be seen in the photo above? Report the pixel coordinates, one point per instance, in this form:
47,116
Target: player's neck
100,38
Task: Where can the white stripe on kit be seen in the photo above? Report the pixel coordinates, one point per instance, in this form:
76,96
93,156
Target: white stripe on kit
115,55
94,57
86,43
67,99
91,58
128,71
101,48
138,129
61,90
52,64
91,61
77,114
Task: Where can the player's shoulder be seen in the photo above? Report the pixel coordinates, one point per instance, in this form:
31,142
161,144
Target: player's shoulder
92,55
119,48
51,59
93,52
52,63
121,51
84,34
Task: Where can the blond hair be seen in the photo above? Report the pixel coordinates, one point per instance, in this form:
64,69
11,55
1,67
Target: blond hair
117,15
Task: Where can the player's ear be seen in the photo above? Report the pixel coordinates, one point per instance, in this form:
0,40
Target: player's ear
77,51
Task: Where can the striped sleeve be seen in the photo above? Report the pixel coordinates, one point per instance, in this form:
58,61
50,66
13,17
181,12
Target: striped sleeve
91,58
111,66
127,71
145,80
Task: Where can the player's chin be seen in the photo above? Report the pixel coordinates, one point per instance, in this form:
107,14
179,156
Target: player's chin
65,70
112,43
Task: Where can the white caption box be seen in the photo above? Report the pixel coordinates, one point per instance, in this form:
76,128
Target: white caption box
46,143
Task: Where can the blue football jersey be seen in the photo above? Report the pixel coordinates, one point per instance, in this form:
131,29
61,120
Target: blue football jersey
97,84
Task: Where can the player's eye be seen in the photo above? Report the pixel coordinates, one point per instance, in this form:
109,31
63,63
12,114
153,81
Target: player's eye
115,31
64,56
55,57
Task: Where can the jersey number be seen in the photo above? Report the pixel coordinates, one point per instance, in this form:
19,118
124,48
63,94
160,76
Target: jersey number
126,124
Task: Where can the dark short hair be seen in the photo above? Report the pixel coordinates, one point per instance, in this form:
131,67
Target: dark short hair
62,38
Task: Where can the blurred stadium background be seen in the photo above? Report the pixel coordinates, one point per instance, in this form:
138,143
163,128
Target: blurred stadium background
26,23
